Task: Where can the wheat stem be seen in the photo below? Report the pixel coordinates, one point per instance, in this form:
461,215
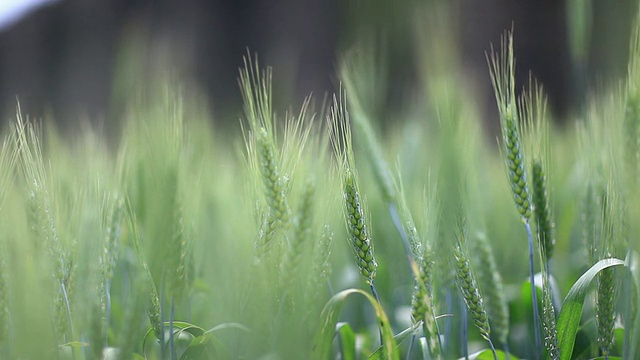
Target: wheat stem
172,346
493,350
375,295
502,69
107,312
534,296
422,308
464,333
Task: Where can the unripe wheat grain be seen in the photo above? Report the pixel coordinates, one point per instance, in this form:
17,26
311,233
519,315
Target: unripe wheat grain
471,293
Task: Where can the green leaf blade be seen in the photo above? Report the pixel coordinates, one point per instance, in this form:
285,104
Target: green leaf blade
571,313
329,319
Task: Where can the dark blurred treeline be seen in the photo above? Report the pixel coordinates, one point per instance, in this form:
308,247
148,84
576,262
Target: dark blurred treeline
82,58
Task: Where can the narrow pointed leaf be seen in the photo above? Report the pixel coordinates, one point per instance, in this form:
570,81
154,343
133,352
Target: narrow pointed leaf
487,354
329,318
400,337
569,319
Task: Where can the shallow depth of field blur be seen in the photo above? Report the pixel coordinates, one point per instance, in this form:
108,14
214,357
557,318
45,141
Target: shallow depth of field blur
177,180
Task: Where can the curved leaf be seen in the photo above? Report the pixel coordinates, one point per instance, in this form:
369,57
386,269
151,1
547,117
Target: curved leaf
206,346
487,354
74,345
182,326
329,318
571,312
179,328
225,326
400,337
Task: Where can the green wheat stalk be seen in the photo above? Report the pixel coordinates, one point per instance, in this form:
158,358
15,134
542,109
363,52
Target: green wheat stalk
114,210
534,104
354,210
534,111
502,68
43,222
360,239
256,91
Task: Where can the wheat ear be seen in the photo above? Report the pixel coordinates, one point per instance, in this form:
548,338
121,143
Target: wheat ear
544,224
422,306
502,68
278,215
471,293
43,222
534,110
295,253
321,267
257,97
542,211
354,209
357,228
492,285
355,217
605,316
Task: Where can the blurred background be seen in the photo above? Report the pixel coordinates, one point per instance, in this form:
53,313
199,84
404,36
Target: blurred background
85,59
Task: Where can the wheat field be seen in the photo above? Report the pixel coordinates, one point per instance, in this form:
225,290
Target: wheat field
181,240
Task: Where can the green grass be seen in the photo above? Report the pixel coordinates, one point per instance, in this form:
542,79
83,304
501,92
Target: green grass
182,241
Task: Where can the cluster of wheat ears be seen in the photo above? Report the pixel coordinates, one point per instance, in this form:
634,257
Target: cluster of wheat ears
180,243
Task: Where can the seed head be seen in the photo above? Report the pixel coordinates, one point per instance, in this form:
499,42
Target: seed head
542,211
357,228
278,215
422,308
502,68
471,293
605,316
